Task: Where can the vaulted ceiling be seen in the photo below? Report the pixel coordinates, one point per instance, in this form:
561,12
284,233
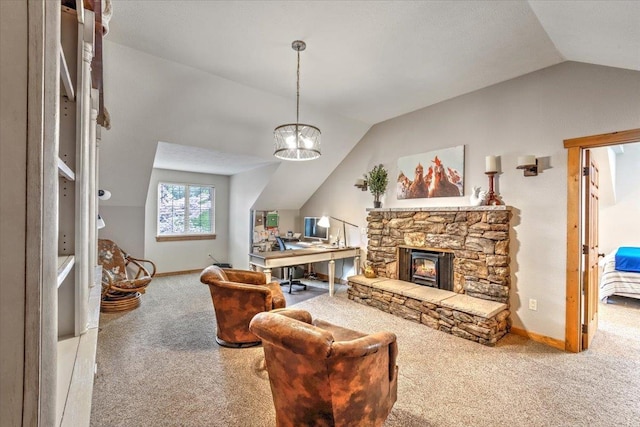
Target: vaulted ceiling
366,61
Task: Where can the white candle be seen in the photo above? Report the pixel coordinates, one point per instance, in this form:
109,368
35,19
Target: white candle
526,160
490,164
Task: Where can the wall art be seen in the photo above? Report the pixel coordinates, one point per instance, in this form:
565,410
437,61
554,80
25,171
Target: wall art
438,173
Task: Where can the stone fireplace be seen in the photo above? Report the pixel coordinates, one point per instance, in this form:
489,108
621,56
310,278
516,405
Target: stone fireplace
469,244
478,238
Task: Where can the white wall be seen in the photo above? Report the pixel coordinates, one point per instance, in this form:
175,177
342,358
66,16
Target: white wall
619,223
188,254
243,193
125,226
151,99
531,114
289,220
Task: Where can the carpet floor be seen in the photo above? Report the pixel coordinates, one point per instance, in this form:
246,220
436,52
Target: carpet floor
159,365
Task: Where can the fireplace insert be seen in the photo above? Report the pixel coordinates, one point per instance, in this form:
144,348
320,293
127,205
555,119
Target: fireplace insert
431,268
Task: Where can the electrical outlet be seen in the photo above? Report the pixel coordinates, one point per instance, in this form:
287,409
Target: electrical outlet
533,304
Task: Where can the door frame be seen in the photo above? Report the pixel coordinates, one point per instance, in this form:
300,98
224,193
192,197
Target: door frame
575,147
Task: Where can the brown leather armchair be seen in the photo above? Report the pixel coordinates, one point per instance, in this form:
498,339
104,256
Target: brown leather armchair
325,375
237,296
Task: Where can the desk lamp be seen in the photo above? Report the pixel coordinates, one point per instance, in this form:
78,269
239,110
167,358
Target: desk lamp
325,223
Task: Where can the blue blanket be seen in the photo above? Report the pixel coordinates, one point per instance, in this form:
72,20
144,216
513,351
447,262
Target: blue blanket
628,259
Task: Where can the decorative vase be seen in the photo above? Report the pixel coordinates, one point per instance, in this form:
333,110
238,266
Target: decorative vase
377,204
369,272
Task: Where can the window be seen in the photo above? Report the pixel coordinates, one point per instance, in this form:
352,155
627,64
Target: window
185,211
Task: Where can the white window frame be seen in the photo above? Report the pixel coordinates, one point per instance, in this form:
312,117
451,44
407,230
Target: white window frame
185,235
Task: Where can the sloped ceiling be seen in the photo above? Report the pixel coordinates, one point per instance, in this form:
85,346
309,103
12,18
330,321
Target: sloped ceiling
366,62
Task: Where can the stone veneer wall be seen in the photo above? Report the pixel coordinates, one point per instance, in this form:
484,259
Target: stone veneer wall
478,237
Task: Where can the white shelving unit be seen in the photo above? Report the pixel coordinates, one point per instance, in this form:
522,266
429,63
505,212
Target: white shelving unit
78,300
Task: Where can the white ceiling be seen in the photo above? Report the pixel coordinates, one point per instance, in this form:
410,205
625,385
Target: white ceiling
372,60
198,159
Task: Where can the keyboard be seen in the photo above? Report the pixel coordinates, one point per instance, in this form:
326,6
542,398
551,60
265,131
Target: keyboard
305,244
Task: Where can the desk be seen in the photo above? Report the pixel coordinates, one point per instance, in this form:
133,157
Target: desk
265,261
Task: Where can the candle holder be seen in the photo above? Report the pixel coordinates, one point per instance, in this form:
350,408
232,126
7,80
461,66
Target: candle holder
492,199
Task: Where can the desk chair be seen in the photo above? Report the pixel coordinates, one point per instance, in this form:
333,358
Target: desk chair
289,270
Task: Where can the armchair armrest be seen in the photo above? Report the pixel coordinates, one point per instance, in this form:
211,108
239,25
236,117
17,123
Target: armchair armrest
277,297
241,290
363,346
369,344
245,287
108,283
293,313
138,262
299,337
246,276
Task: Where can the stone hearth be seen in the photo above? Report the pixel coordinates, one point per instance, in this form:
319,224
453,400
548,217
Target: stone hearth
471,318
479,240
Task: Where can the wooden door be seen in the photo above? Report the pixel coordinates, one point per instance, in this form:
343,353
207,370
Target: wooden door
590,251
575,225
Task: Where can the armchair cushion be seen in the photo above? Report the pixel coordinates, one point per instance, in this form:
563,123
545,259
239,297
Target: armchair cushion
114,262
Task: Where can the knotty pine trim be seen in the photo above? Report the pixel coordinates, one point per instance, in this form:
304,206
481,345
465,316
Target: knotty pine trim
178,273
602,140
551,342
573,325
573,322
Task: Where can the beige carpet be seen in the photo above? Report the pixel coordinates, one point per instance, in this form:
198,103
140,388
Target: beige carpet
160,366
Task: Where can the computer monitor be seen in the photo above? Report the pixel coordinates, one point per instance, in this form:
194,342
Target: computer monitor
313,231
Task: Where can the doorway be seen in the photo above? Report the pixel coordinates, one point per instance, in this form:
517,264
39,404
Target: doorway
575,228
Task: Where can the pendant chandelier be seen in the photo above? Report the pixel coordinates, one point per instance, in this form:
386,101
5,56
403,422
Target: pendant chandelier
297,141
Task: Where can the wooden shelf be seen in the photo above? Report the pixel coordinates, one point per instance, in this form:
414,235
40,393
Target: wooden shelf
65,262
65,171
65,76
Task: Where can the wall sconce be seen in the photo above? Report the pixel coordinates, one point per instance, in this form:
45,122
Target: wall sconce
361,184
104,194
100,222
529,164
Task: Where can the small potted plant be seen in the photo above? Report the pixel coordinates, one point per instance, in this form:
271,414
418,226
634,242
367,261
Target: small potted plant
377,180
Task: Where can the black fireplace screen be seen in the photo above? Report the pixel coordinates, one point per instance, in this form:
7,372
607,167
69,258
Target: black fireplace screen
430,268
425,268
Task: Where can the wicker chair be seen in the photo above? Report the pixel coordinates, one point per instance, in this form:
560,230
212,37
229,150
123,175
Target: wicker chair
124,278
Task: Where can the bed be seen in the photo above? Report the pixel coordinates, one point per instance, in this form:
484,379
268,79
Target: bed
621,273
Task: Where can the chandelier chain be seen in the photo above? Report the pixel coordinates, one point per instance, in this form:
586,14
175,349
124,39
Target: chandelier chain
298,92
